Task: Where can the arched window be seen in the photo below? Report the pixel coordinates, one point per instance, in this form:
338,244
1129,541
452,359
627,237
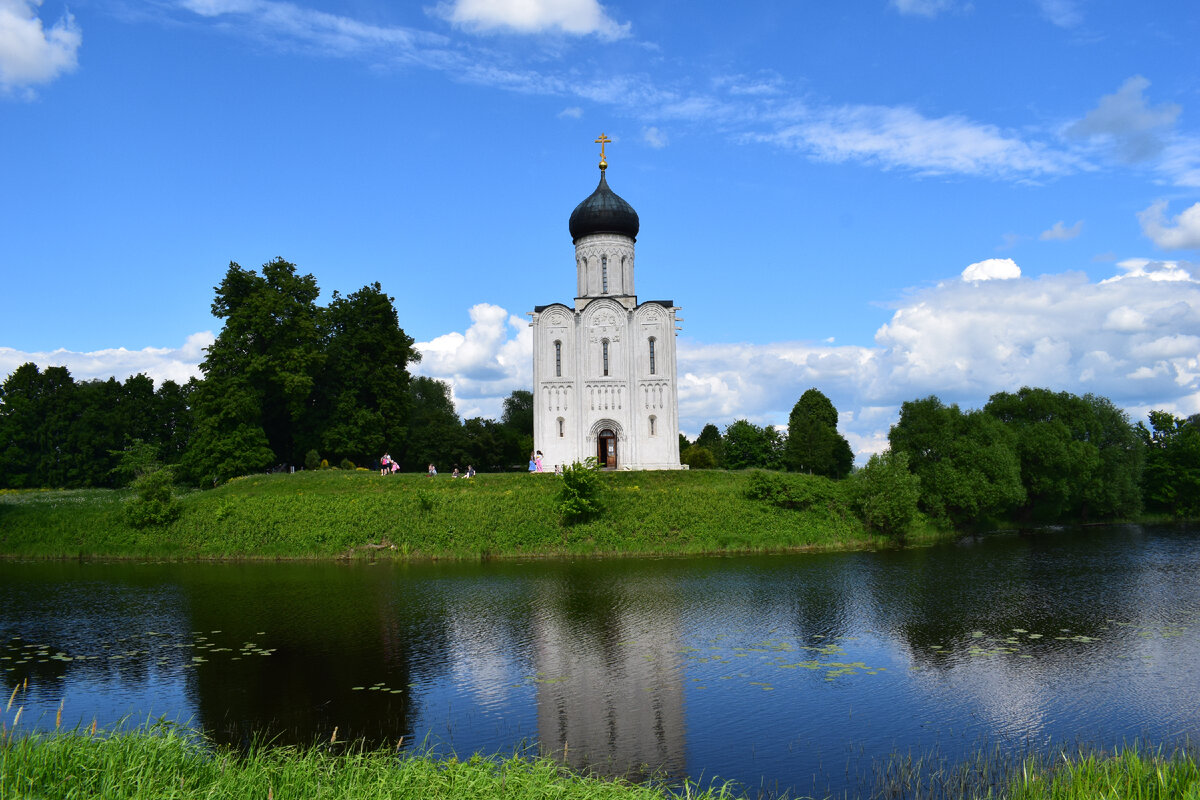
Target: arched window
653,425
558,358
604,274
651,355
561,428
604,355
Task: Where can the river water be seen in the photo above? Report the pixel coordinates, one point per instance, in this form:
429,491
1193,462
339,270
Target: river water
777,672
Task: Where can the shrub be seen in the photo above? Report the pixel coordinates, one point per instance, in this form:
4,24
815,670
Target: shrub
698,457
886,493
153,501
312,460
579,498
346,464
324,463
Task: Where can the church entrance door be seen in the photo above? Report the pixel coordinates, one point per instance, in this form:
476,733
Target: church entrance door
607,449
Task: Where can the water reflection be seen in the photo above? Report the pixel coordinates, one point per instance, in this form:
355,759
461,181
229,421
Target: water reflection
759,669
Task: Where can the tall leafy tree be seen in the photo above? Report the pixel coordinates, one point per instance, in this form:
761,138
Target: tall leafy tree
1079,455
1171,479
710,439
813,442
967,463
36,412
436,435
517,420
259,374
363,393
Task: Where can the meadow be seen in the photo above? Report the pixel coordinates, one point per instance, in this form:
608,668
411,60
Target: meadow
360,514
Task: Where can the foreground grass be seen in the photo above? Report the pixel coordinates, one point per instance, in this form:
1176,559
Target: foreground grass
329,514
167,763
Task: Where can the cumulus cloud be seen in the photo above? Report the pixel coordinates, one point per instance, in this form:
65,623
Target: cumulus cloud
575,17
992,269
1125,122
30,53
1059,232
1133,337
1180,233
160,363
484,364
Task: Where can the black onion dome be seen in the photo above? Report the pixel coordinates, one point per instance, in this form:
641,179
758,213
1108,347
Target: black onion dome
603,212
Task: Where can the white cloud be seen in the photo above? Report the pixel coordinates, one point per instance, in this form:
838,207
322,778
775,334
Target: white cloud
160,363
286,23
1126,123
571,112
1059,232
901,137
1180,233
31,54
924,8
1063,13
654,137
483,365
575,17
1134,338
992,269
1153,270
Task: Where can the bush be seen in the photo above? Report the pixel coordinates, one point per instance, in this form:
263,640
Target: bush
796,491
346,464
153,501
698,457
579,498
312,460
886,493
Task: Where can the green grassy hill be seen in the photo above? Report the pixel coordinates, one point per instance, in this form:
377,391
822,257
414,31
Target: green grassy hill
333,513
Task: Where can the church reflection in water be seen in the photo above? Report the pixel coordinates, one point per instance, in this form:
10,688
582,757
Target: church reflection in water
610,691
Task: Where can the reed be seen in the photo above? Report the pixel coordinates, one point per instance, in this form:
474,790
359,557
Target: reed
165,761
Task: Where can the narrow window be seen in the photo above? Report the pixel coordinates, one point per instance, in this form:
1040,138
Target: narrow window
651,355
604,351
558,359
560,428
653,420
603,274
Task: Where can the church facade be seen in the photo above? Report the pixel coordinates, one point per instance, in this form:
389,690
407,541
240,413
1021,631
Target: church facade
604,371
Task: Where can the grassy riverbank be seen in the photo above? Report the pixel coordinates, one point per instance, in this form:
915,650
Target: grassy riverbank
329,514
166,762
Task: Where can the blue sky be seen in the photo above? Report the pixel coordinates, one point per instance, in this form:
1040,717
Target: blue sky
883,199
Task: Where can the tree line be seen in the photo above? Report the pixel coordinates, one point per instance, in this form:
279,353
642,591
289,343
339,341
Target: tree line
1032,456
288,382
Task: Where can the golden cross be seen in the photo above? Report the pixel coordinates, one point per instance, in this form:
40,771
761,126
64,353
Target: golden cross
603,140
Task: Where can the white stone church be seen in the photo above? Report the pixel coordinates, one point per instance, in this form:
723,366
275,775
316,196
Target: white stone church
604,368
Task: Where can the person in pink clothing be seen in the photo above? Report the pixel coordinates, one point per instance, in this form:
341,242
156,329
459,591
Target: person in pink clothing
537,461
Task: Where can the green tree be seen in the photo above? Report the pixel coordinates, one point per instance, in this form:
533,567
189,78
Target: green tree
967,463
253,406
886,493
1171,479
748,446
363,397
710,439
436,434
36,413
698,457
517,420
813,442
1079,455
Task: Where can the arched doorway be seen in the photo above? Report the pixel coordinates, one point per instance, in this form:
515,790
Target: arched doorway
606,449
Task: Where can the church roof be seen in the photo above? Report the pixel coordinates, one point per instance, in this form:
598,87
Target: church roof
603,212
